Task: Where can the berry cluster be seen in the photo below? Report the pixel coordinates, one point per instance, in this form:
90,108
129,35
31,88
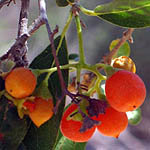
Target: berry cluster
124,92
20,84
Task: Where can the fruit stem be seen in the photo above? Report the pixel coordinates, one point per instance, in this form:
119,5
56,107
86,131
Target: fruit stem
78,67
87,11
51,70
42,6
91,68
80,39
94,70
81,50
47,77
70,3
63,34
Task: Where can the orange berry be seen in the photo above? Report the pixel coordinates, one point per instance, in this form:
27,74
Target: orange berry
29,105
20,82
125,91
42,112
70,128
124,62
112,122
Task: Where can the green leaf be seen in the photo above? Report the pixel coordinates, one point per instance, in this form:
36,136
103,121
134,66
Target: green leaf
12,127
42,91
59,135
134,117
66,144
45,137
126,13
63,3
124,50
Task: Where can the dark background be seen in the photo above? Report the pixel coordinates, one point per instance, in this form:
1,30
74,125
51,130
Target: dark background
97,37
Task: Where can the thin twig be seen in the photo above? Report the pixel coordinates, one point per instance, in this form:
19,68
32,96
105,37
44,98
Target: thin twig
35,25
43,14
127,35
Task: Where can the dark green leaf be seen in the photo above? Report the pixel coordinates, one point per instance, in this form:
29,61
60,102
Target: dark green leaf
65,144
126,13
59,135
63,3
44,138
12,127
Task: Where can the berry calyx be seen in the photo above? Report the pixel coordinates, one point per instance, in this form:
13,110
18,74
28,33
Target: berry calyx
20,82
125,91
71,128
42,112
112,122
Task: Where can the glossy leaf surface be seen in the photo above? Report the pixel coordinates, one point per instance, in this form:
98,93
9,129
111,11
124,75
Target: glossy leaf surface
126,13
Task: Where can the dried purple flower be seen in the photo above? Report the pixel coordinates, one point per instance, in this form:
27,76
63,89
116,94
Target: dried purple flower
88,123
96,107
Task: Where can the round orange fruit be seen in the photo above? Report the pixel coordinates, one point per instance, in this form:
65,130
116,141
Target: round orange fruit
71,128
112,122
20,82
125,91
